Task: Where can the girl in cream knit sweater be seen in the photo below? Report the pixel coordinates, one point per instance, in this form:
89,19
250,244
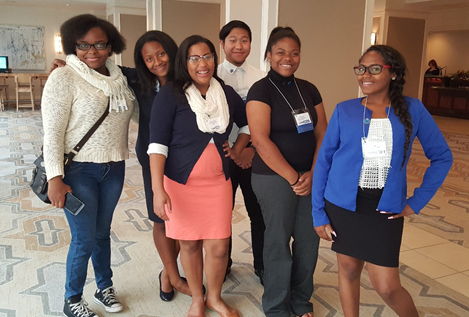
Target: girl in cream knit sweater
74,98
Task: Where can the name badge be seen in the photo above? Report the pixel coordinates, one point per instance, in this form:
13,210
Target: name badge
213,123
303,120
371,148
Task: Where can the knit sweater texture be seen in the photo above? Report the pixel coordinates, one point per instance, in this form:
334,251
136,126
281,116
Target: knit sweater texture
70,107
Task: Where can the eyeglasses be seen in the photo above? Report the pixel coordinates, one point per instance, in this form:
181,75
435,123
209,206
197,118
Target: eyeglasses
87,47
374,69
197,58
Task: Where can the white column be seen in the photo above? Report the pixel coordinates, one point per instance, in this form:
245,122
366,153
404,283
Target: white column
228,11
269,20
116,20
367,29
154,15
368,24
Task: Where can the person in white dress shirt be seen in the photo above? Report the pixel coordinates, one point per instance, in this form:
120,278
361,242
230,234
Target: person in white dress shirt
235,39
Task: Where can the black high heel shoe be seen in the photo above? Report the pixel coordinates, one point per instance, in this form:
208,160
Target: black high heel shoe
165,296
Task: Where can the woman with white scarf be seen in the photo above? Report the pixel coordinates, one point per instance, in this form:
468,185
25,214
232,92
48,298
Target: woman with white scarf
74,98
191,121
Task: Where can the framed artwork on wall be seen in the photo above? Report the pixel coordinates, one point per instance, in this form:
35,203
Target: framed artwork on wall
24,46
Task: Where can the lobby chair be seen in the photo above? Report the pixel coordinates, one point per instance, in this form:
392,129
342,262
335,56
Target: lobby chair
24,85
3,92
42,81
2,107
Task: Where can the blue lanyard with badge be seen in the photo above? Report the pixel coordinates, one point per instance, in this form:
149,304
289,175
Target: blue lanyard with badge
372,148
301,116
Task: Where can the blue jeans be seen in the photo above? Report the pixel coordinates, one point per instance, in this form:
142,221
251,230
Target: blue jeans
99,186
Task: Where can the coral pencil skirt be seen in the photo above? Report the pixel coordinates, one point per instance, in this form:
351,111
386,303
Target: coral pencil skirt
202,208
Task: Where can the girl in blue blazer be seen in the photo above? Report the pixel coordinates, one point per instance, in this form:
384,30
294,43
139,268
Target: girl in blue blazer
359,190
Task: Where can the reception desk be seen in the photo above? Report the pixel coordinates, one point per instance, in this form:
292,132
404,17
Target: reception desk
445,101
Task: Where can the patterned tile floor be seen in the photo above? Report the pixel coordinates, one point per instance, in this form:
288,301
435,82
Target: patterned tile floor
34,239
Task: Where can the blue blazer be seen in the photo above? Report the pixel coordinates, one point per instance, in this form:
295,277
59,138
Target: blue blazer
340,158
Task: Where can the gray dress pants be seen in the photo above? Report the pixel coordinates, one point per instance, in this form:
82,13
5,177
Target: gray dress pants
288,272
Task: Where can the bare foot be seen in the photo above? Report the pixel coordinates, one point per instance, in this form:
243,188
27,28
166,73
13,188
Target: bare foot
310,314
197,308
182,287
221,307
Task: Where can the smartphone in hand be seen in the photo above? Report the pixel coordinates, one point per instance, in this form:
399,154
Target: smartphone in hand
72,204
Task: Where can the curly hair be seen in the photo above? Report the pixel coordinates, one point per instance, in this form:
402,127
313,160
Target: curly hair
278,34
398,103
77,27
182,78
148,79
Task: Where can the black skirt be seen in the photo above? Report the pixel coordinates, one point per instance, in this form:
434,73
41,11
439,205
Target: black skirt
366,234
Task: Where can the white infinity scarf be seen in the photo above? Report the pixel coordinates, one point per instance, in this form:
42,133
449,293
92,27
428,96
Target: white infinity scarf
214,105
113,86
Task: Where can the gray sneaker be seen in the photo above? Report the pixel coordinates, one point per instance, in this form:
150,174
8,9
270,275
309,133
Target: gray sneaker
78,309
107,299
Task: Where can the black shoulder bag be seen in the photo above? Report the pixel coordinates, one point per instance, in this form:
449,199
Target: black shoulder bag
39,184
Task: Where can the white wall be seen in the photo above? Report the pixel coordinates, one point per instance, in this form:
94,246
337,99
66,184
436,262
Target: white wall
407,36
249,11
449,20
450,49
49,18
330,46
131,28
183,18
448,39
441,41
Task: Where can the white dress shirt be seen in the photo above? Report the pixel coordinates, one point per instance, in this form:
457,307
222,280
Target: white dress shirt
241,79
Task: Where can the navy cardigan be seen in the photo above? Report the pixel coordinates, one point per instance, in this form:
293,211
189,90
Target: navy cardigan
339,162
173,123
145,102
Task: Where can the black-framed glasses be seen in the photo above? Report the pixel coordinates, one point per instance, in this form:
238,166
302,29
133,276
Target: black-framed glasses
374,69
87,47
197,58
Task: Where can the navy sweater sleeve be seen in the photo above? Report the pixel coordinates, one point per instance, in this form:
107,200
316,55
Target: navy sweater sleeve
145,101
162,116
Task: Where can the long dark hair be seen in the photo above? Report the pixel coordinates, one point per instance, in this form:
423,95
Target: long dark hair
148,79
278,34
400,107
77,27
182,78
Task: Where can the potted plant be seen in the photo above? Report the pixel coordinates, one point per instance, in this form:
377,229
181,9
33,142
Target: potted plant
460,78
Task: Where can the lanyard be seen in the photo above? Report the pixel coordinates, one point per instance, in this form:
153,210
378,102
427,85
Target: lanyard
286,98
366,120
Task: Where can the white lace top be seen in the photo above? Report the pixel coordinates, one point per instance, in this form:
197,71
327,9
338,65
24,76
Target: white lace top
375,170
